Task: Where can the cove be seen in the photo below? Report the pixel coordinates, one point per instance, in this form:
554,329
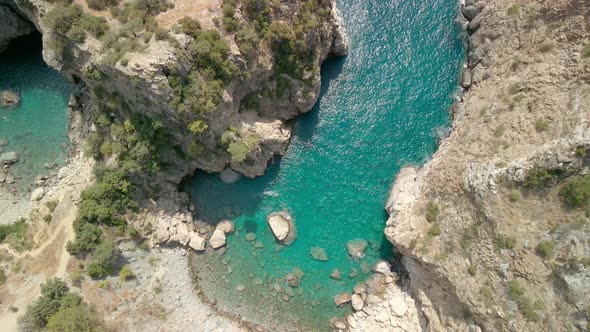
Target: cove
37,127
380,109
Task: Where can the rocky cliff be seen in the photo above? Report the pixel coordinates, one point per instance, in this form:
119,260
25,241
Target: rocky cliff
494,229
13,25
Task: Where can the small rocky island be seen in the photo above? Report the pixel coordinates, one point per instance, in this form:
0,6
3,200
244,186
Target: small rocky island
9,98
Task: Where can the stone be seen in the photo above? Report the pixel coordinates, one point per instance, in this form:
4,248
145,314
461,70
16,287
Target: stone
319,254
225,226
398,305
37,194
8,158
357,302
217,240
335,275
382,267
356,248
360,289
240,288
196,241
3,141
470,12
182,234
341,299
466,78
365,267
250,237
229,176
337,323
292,280
9,98
280,224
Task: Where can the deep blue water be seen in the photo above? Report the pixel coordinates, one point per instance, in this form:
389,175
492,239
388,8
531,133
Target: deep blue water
379,110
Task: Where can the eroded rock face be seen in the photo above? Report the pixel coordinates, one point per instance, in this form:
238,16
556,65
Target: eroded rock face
13,25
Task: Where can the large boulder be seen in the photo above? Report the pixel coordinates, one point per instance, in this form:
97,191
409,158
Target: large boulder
37,194
217,240
357,302
382,267
196,241
225,226
342,299
8,158
280,224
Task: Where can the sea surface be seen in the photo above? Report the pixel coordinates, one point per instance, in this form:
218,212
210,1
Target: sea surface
381,108
37,127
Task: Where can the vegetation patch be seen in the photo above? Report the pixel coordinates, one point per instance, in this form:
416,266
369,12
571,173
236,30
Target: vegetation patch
432,212
576,191
57,309
526,306
17,235
545,249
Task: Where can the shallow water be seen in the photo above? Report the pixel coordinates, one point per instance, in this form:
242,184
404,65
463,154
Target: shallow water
380,109
37,127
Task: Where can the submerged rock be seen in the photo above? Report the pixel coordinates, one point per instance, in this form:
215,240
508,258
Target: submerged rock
250,237
225,226
356,248
337,323
319,254
8,158
9,98
342,299
3,141
280,224
292,280
229,176
335,275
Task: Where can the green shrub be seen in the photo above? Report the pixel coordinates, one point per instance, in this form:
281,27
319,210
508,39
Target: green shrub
126,273
435,230
76,278
3,276
51,205
513,9
238,151
101,4
432,212
40,310
103,260
198,126
505,242
586,51
538,178
247,41
88,236
541,125
514,196
576,191
74,319
17,230
499,131
545,248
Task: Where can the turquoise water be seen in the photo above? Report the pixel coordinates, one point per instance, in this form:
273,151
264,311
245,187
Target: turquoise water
37,127
380,109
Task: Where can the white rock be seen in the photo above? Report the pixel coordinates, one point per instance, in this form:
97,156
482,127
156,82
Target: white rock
196,241
280,224
382,267
217,240
225,226
398,305
357,302
342,299
37,194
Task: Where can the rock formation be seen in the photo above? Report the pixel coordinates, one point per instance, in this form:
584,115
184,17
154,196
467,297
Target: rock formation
281,225
13,24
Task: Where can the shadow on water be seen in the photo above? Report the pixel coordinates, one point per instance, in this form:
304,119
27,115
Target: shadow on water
306,125
243,198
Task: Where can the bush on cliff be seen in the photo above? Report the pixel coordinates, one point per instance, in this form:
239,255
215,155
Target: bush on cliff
103,260
57,309
576,191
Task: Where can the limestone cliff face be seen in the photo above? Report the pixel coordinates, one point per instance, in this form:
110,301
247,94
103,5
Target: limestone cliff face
13,25
141,81
486,247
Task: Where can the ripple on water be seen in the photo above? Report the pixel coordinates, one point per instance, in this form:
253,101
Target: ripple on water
379,110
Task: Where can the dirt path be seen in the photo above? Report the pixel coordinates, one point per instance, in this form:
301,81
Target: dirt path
50,259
